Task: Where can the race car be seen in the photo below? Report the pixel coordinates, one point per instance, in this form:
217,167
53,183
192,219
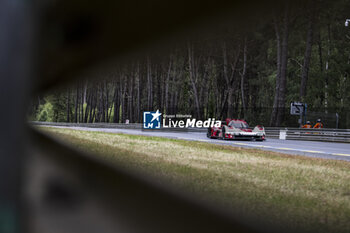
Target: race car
236,129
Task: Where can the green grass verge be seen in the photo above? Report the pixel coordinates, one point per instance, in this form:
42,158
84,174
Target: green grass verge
290,192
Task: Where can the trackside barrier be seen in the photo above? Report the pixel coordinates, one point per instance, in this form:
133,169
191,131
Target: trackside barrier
283,134
327,135
90,125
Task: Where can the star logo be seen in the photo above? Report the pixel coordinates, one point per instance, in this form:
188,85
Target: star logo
151,120
156,115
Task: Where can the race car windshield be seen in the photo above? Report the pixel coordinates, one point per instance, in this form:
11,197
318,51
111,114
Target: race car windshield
239,124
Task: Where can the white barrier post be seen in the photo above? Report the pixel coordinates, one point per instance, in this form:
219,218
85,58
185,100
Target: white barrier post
283,134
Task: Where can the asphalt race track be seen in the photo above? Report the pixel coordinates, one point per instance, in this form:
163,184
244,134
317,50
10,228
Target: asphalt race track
327,150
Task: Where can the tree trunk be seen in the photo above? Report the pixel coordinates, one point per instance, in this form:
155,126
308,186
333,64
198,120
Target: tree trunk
81,104
131,99
320,52
68,105
284,62
278,74
167,86
138,113
101,105
149,86
192,78
227,103
116,105
93,102
91,105
170,110
307,58
243,75
327,68
159,77
85,91
84,101
124,101
106,101
93,117
88,107
281,75
76,105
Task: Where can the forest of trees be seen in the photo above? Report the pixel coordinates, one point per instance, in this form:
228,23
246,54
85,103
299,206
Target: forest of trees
253,73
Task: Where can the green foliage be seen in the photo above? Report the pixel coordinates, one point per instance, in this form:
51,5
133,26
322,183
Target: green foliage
111,117
46,112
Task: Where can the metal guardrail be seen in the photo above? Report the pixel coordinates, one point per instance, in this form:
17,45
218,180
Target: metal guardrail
90,125
109,126
327,135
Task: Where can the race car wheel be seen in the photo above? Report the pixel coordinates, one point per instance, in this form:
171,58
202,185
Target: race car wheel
209,133
223,131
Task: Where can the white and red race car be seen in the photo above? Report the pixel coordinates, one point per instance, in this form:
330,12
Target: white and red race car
236,129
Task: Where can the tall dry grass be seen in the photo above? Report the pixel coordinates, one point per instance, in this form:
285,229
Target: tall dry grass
291,193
